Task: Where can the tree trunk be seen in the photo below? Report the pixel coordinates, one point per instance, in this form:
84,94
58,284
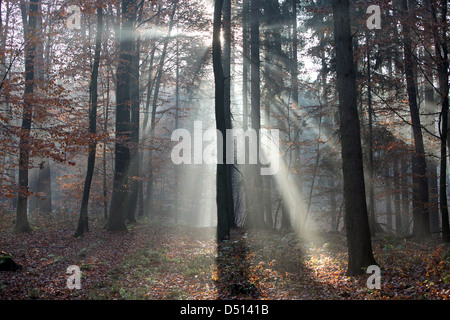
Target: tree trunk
245,89
405,194
441,53
83,220
430,105
44,185
227,102
295,92
135,121
105,129
149,89
256,213
223,227
177,123
118,207
246,57
372,220
421,226
29,23
360,254
42,178
315,173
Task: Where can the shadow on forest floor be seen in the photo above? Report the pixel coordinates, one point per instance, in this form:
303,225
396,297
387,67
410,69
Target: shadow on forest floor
157,262
235,277
260,264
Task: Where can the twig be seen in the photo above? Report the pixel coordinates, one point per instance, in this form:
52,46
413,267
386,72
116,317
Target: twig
403,119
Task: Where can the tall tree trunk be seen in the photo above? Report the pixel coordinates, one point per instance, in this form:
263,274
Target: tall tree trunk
93,94
227,102
105,129
430,105
245,89
295,92
372,221
106,119
149,89
441,58
29,22
118,207
256,214
223,227
135,121
360,254
420,183
266,95
177,123
41,182
246,57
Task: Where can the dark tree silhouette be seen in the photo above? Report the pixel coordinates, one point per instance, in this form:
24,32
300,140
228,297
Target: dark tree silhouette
360,254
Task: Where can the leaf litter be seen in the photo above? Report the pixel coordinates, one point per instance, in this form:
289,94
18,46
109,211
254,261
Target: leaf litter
156,262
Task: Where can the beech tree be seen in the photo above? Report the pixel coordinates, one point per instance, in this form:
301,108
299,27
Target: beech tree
83,225
119,198
29,19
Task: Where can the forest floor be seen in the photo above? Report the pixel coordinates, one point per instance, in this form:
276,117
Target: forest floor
156,261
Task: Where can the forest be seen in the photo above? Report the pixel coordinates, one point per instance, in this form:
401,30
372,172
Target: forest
224,150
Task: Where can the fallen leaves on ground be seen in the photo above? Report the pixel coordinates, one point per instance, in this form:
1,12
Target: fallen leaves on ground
152,261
